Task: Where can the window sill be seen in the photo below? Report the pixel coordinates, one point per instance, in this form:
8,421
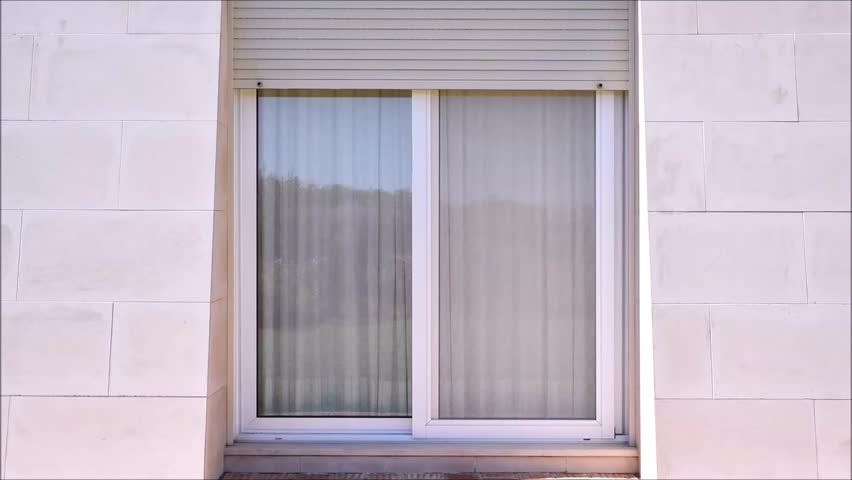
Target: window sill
431,456
432,448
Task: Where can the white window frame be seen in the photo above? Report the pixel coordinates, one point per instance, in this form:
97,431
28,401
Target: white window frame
424,422
424,204
251,426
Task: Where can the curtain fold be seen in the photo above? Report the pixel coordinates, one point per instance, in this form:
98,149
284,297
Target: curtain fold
517,255
334,253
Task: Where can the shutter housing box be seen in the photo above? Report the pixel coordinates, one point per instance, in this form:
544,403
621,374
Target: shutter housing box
433,44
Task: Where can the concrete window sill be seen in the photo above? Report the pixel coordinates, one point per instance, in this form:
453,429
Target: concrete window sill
432,448
432,457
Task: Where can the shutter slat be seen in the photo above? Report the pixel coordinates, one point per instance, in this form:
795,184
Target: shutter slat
268,74
435,4
449,55
432,44
438,13
425,24
527,65
387,36
500,45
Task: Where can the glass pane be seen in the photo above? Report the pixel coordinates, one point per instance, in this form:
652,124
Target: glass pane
334,253
517,255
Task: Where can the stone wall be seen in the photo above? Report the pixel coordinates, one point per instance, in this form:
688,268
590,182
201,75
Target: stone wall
115,127
113,240
748,148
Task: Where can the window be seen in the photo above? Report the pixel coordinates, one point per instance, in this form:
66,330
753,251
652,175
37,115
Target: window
430,264
516,261
334,253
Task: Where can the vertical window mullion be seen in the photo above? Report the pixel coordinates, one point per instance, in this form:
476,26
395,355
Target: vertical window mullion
424,257
605,253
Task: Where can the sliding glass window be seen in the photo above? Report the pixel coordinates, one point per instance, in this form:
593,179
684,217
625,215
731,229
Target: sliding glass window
517,255
333,253
430,264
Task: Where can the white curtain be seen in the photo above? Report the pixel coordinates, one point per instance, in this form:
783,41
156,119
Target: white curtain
334,253
517,255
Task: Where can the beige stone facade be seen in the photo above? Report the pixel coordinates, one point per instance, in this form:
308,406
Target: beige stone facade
748,134
116,148
114,310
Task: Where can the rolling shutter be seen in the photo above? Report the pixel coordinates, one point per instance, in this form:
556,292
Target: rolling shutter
569,44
